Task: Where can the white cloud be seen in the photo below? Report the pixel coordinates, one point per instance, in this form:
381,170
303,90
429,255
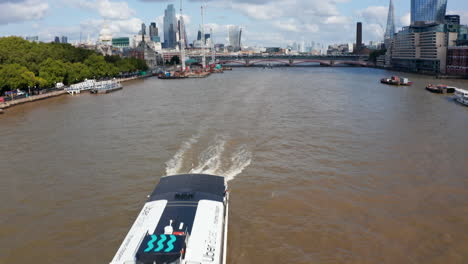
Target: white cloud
374,31
268,10
268,38
463,16
337,20
293,25
116,16
114,10
125,27
106,8
318,20
375,15
187,19
19,11
405,20
287,25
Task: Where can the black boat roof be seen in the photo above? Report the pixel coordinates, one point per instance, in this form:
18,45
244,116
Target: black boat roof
189,188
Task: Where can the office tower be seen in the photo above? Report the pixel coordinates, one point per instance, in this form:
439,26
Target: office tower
390,31
153,32
182,32
452,19
32,38
358,37
57,39
143,29
199,35
207,36
170,27
64,39
428,11
235,35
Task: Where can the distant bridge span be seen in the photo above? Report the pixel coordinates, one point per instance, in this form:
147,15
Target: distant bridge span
326,60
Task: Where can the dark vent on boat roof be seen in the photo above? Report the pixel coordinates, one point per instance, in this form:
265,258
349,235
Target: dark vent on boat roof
184,195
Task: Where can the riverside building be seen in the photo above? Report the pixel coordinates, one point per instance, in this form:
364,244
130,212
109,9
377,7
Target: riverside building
422,49
457,57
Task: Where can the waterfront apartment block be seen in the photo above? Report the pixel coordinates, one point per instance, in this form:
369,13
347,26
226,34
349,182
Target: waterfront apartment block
422,49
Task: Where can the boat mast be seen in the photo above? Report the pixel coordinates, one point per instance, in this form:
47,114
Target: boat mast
213,55
182,38
203,39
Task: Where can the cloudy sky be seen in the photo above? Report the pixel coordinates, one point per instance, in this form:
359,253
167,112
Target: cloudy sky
265,22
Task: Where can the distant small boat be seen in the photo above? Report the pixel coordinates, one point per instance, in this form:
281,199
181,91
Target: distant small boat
171,76
441,88
395,80
106,87
461,96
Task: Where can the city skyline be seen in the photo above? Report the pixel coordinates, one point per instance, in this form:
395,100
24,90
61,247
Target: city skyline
267,23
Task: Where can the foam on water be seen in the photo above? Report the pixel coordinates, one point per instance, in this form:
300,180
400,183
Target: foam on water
213,160
174,165
240,160
210,159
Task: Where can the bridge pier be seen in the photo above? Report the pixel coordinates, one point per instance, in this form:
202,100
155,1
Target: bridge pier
291,62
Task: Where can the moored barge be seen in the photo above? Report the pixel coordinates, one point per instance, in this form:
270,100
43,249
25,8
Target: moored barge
441,89
395,80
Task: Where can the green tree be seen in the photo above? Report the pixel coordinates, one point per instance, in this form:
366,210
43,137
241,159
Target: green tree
53,71
56,62
77,72
175,60
98,65
375,54
15,76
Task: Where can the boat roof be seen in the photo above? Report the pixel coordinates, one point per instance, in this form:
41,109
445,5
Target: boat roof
189,187
180,205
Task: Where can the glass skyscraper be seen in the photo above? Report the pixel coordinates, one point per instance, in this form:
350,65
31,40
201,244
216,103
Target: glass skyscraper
390,31
170,27
235,35
428,11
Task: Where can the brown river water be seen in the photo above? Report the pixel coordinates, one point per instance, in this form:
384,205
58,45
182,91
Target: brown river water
325,165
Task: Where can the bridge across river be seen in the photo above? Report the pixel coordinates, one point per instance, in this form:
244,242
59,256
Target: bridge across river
325,60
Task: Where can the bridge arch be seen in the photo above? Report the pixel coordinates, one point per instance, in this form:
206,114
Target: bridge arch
283,61
322,62
353,63
233,61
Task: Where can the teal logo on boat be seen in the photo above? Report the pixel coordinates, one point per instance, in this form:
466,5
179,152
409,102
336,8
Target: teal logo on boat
159,242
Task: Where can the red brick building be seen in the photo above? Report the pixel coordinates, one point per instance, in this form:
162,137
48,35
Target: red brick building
457,61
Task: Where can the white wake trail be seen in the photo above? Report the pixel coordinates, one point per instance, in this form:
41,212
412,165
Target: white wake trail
240,160
210,159
174,165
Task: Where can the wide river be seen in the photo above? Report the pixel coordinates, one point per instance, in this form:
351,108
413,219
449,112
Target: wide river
325,165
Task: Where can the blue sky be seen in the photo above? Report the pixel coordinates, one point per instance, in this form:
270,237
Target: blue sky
264,22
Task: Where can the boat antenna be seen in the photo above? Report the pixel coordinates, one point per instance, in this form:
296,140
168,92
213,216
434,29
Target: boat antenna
213,51
203,39
182,38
